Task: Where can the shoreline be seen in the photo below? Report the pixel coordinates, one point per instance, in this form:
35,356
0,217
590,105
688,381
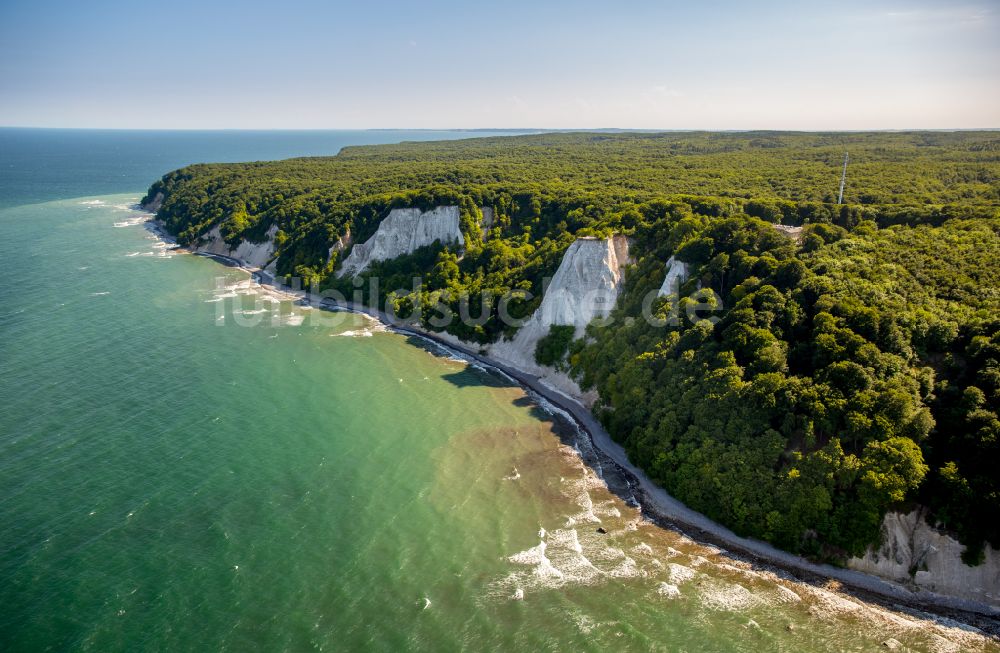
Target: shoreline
654,501
659,506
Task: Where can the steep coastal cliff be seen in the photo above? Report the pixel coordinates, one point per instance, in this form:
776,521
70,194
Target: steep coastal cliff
340,245
853,367
402,232
917,555
584,287
253,255
154,203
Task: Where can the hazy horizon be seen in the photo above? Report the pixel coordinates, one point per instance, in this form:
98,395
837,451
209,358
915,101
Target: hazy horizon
519,130
831,66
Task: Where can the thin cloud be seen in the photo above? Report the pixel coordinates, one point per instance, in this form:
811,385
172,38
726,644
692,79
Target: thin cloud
944,17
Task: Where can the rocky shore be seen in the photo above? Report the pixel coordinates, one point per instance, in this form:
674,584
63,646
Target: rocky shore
654,501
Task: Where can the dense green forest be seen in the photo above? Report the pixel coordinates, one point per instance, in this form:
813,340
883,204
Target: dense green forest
854,370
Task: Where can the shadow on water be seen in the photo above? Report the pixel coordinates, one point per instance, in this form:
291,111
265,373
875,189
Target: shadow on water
564,427
227,261
619,483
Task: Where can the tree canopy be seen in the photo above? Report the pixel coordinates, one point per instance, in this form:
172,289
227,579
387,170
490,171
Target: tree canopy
855,367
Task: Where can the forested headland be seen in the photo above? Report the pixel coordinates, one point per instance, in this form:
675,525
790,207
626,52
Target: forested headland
855,368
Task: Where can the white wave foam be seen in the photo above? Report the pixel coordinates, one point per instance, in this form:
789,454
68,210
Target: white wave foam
786,595
829,604
506,376
616,563
513,477
567,538
728,597
130,222
439,350
567,555
579,489
679,573
643,548
607,509
669,591
358,333
552,409
584,623
535,557
626,569
100,294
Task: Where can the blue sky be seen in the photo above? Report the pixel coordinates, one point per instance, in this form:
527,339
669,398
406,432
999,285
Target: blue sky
670,65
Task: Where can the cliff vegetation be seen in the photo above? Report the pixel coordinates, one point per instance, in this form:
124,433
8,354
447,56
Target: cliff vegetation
854,369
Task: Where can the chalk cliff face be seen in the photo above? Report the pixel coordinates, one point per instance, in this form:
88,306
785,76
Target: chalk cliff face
402,232
154,204
339,246
488,219
254,255
916,554
585,287
795,233
677,273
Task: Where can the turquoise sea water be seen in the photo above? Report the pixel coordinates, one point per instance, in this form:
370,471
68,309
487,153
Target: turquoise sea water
189,464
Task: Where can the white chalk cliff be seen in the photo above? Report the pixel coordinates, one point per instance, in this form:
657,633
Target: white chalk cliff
402,232
254,255
154,204
342,243
585,287
677,273
488,219
917,555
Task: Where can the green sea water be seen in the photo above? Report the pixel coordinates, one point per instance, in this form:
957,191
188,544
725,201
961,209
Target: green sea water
187,464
